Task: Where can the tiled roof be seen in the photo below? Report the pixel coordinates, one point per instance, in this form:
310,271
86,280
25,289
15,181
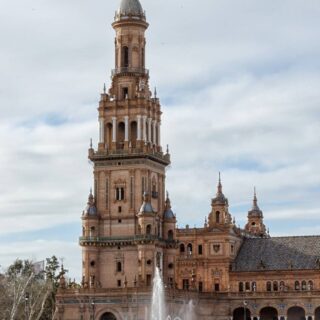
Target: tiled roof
279,253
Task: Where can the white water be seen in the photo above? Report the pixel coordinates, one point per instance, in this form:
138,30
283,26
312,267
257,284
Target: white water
158,307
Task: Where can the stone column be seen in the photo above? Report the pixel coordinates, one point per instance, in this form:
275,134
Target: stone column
144,128
154,124
126,128
138,128
101,131
159,134
149,130
114,129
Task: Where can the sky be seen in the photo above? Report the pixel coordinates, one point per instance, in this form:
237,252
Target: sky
239,83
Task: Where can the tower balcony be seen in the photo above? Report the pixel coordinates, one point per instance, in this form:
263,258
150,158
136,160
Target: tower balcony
130,70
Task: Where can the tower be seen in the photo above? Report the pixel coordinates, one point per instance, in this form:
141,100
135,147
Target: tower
125,231
255,223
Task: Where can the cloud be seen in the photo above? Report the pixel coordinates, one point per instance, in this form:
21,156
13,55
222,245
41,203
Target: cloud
239,87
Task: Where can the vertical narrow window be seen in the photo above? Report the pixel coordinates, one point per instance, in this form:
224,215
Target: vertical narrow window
119,283
119,266
200,249
216,287
269,286
247,284
125,53
240,286
200,286
107,193
96,190
142,58
131,192
217,217
148,280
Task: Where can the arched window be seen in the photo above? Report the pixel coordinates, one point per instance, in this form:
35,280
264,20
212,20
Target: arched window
92,231
170,235
121,135
303,285
189,248
269,287
119,266
108,138
253,286
133,134
182,249
297,285
282,286
125,54
148,229
83,231
247,285
275,286
240,286
217,217
310,285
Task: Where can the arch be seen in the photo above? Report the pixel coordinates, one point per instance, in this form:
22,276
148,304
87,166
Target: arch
310,285
170,235
119,266
182,248
189,248
297,285
282,286
108,135
148,229
241,314
317,314
133,133
241,287
121,132
108,316
303,285
275,286
218,217
269,286
296,313
125,57
268,313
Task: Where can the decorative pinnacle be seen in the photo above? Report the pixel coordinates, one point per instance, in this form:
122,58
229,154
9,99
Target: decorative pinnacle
167,149
255,200
219,185
155,92
104,88
90,143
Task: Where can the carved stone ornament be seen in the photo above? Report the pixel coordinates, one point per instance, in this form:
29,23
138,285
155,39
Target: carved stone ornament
216,248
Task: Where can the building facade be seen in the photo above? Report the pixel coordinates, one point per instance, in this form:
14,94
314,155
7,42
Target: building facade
129,228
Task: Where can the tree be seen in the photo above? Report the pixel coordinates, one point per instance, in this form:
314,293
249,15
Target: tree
28,292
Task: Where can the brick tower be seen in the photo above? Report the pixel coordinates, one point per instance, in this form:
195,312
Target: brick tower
127,230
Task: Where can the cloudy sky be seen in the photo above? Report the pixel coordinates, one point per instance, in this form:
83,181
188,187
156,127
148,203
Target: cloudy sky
239,83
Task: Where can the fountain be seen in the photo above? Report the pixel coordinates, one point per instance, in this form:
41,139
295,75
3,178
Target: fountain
158,306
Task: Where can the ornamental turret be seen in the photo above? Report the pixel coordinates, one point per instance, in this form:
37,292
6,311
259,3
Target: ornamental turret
255,224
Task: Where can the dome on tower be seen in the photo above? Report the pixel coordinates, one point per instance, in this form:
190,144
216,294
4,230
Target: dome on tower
168,213
255,210
130,8
146,205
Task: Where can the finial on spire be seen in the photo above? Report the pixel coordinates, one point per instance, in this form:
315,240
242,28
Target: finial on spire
104,88
167,149
255,200
219,185
155,92
90,143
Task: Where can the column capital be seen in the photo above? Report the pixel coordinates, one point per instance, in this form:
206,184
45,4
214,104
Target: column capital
139,116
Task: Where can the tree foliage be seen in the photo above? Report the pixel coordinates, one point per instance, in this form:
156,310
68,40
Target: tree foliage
27,291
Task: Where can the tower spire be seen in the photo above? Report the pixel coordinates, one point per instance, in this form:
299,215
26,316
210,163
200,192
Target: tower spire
219,191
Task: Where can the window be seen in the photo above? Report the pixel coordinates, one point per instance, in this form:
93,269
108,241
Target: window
125,52
200,249
92,231
232,248
253,286
170,281
170,235
119,221
200,286
303,285
310,285
275,286
119,266
217,217
247,286
269,287
120,194
92,263
170,265
282,286
148,229
297,285
119,209
125,93
185,284
253,224
216,287
240,286
189,249
119,283
107,193
149,262
182,249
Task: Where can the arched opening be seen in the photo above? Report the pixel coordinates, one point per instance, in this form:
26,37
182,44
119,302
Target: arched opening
182,248
303,285
297,285
310,285
241,314
189,249
108,135
170,235
254,286
241,287
275,286
268,313
125,57
282,286
317,314
121,131
108,316
217,217
133,134
148,229
296,313
269,287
